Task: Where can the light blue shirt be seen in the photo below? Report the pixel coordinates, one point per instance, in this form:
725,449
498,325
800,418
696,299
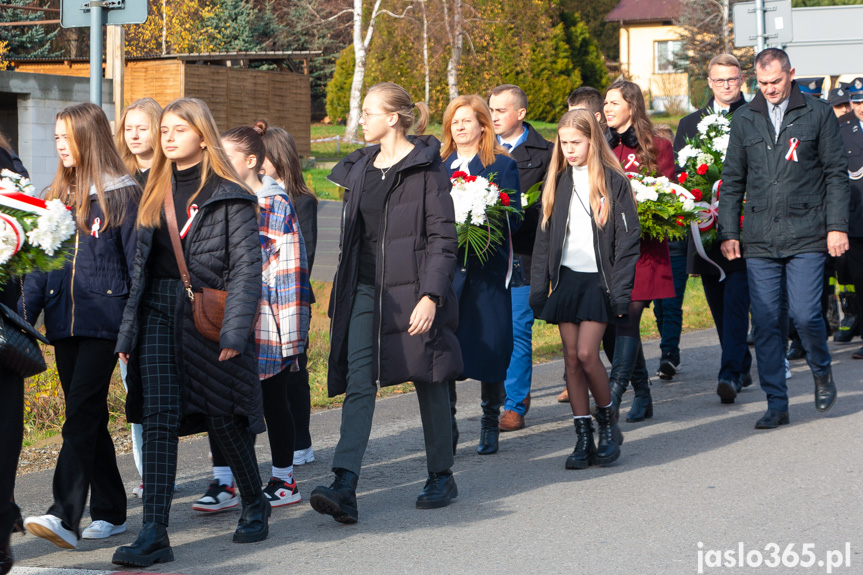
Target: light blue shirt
515,143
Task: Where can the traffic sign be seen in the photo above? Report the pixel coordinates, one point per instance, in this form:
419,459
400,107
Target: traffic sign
778,27
76,13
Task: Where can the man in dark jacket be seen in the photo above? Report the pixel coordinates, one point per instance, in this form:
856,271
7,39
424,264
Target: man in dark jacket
851,128
728,299
785,154
532,153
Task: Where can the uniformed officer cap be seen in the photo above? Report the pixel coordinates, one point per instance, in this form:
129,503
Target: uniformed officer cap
811,86
855,90
838,96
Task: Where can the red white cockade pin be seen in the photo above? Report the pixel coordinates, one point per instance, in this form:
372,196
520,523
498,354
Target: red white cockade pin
792,149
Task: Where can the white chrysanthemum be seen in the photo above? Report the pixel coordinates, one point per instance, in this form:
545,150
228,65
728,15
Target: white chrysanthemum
706,122
685,154
720,144
704,159
8,242
688,204
53,228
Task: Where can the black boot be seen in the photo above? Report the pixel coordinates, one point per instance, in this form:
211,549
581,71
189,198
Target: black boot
152,546
489,433
585,450
439,490
452,401
642,403
254,520
339,499
825,391
607,449
625,357
6,559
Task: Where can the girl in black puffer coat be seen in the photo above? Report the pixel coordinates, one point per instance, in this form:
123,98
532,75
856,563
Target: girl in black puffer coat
393,308
175,374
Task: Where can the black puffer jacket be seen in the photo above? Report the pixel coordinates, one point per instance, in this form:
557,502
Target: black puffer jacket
616,246
222,251
416,257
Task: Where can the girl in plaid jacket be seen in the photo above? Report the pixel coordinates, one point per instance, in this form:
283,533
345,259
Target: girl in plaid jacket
283,325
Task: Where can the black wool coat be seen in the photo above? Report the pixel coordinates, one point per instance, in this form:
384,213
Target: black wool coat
222,251
416,256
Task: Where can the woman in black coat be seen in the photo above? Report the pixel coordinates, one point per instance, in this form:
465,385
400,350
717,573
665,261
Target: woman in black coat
393,310
485,302
175,374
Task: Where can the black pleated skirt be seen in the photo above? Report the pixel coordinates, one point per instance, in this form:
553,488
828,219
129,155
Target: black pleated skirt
579,297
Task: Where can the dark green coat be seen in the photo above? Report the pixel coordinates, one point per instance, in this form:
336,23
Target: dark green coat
790,206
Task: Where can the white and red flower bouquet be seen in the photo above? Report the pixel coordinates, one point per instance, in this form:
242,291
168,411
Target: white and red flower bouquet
664,208
481,210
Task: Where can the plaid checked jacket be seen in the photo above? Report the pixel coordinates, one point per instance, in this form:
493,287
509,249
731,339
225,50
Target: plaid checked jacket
283,327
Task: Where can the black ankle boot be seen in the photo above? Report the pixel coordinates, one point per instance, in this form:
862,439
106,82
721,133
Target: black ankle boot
452,401
607,449
585,450
642,403
489,434
152,546
339,499
254,520
439,490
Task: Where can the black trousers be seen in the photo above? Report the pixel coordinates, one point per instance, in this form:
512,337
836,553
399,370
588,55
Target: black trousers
300,403
11,434
87,462
162,410
280,423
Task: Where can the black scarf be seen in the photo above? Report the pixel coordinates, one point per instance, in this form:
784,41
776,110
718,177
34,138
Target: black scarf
627,138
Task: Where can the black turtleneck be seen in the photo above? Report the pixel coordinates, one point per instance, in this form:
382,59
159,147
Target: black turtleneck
627,138
163,263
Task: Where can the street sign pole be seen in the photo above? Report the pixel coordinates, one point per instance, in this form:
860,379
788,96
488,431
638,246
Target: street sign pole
96,52
759,26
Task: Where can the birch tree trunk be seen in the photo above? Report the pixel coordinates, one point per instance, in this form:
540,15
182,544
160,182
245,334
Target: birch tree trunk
361,47
426,50
454,29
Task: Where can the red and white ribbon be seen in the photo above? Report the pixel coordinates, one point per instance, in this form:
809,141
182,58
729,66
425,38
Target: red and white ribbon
631,161
193,211
792,149
16,228
94,229
706,220
23,202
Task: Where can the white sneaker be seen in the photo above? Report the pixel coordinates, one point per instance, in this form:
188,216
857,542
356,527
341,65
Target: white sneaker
217,498
138,491
302,456
102,530
50,527
788,373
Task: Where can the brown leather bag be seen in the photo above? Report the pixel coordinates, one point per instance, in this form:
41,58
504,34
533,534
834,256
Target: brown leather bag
208,304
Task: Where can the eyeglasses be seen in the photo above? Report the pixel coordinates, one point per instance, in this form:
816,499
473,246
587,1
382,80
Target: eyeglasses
365,115
725,81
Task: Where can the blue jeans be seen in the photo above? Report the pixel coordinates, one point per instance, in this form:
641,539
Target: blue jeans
803,280
669,312
729,305
520,370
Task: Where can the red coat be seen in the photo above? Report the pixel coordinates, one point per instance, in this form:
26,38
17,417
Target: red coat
653,278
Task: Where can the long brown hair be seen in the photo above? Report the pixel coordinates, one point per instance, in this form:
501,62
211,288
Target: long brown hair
153,111
96,164
646,151
488,144
282,153
196,113
599,159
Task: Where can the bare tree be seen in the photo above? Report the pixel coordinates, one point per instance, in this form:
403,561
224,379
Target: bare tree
455,31
707,30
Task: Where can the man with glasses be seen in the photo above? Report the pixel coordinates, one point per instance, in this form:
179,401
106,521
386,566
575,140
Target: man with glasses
785,156
729,299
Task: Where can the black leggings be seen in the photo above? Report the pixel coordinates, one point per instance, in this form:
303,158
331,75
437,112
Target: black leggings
300,402
11,434
280,422
633,327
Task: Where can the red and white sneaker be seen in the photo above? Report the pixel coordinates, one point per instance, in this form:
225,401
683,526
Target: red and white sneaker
217,498
280,493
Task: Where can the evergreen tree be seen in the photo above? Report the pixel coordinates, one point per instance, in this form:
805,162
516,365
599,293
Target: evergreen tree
237,25
593,13
32,41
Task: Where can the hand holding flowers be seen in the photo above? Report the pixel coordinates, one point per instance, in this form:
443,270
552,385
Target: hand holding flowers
481,211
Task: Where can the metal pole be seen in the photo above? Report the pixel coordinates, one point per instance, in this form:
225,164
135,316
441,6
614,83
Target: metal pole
96,52
759,26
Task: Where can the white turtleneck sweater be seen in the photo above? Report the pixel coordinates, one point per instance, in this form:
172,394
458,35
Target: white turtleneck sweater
578,252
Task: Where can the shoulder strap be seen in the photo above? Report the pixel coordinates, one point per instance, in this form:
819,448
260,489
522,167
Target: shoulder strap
174,232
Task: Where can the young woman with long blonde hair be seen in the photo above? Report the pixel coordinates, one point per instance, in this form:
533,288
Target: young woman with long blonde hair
582,271
179,381
137,136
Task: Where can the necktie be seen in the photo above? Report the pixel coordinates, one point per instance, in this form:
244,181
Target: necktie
507,146
777,120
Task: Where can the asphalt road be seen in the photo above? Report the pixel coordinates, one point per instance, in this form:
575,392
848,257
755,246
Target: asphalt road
694,480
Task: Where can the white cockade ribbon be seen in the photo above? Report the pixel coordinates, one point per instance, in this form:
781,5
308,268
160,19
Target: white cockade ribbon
706,219
856,175
792,149
16,229
631,161
94,229
193,211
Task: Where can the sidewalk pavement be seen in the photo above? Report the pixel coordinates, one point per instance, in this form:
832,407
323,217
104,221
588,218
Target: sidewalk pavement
695,478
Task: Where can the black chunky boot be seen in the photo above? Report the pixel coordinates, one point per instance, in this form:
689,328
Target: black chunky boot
642,403
452,401
339,499
489,433
152,546
607,449
254,520
583,455
440,489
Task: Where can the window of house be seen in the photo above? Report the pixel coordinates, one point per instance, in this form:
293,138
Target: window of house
663,56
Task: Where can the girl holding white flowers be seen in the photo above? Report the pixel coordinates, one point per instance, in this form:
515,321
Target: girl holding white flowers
482,287
585,254
83,305
639,150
